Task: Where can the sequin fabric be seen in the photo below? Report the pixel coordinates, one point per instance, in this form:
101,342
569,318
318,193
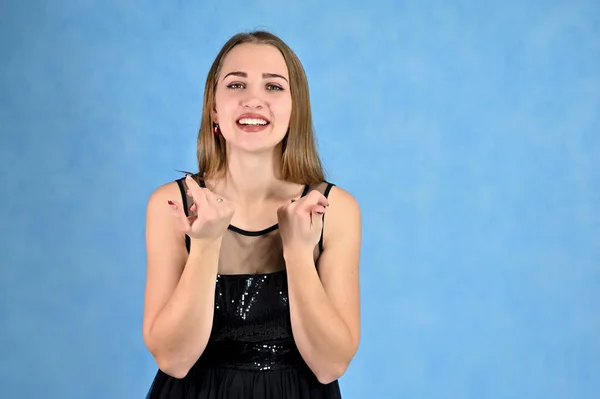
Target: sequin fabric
251,325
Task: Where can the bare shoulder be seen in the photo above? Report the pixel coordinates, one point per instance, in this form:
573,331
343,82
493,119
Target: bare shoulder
343,199
161,195
343,217
163,237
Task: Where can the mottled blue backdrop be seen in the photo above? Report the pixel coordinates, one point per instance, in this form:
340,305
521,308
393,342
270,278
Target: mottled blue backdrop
468,130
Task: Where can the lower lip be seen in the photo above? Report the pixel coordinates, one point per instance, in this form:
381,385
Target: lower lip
252,128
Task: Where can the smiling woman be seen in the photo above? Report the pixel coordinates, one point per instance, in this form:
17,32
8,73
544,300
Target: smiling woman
265,94
249,293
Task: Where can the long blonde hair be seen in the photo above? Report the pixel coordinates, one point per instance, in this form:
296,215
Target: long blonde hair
300,162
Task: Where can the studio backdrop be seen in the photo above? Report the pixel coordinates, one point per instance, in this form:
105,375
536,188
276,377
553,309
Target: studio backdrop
467,130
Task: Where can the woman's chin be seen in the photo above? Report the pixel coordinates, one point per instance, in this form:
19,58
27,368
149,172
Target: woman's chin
254,143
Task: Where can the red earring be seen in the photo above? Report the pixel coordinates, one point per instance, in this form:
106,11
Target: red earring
217,131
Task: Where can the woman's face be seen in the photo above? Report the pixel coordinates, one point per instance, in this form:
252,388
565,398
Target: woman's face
253,103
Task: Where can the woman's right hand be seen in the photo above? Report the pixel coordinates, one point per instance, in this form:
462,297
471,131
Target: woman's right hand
210,215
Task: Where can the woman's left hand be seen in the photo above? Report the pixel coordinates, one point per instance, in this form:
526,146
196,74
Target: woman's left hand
301,222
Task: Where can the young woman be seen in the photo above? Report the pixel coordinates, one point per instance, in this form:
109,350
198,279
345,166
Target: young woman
253,264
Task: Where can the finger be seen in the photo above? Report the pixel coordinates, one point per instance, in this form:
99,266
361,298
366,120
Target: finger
322,200
320,209
190,221
193,207
312,199
316,219
195,191
315,197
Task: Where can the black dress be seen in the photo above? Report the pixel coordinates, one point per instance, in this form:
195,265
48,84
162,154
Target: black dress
251,353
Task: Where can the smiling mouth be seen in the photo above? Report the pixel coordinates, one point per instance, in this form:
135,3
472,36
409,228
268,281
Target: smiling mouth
252,122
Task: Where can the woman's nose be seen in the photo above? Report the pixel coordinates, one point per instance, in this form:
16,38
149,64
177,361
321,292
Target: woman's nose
252,100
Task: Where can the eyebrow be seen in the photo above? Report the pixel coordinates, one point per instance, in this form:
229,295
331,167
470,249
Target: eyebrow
264,75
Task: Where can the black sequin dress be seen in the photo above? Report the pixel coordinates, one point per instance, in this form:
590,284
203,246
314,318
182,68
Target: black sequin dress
251,353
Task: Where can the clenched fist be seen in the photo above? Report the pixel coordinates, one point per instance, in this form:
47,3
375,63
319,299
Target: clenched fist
209,217
301,222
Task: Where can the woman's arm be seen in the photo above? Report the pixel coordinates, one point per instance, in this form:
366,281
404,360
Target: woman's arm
180,289
325,303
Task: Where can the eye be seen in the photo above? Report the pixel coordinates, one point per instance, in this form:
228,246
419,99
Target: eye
235,86
274,87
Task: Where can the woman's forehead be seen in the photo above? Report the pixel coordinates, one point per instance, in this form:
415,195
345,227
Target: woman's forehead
253,58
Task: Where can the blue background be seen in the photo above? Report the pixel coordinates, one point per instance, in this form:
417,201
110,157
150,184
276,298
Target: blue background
468,130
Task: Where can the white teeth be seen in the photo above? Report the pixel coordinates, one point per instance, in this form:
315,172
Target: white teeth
249,121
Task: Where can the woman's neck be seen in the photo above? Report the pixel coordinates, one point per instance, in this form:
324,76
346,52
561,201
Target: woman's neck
252,178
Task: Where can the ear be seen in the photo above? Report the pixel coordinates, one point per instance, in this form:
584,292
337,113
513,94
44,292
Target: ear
214,116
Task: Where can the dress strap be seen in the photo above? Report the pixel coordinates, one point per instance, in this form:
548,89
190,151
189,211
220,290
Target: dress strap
184,199
328,188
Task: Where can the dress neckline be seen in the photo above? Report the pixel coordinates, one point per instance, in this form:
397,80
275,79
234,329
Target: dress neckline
256,233
251,275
